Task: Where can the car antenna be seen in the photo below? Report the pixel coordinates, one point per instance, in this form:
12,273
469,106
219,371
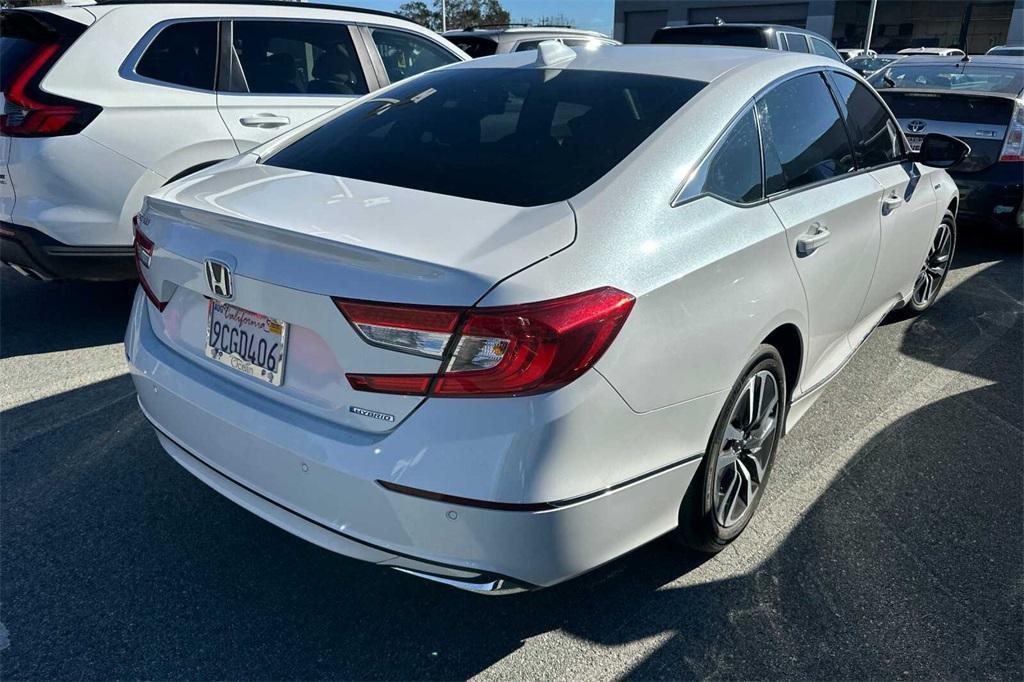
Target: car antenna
966,58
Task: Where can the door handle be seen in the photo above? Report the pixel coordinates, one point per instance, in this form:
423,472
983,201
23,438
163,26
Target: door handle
814,239
891,203
264,121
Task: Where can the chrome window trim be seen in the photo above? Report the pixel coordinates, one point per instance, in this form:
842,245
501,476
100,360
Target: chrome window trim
128,67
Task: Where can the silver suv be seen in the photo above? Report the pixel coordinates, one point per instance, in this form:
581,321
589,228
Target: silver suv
484,41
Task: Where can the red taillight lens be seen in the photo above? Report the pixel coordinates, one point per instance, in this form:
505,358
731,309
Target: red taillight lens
29,112
143,256
514,350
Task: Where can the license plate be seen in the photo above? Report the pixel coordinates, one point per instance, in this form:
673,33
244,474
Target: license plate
915,142
245,341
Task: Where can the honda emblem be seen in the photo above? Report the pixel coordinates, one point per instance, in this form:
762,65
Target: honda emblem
218,277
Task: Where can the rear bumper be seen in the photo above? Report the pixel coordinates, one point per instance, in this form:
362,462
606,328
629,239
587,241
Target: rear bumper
993,197
321,482
33,253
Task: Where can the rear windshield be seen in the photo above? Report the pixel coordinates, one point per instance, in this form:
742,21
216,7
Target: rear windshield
23,34
711,35
869,63
512,136
954,76
474,46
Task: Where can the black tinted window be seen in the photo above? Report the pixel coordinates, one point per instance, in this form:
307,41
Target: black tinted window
794,42
407,54
824,49
474,46
804,139
734,169
511,136
711,35
294,57
183,54
876,140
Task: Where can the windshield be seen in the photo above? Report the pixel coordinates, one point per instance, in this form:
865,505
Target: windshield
954,76
711,35
1007,51
524,137
474,46
869,63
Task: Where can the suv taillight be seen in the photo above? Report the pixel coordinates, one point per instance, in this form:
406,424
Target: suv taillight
30,112
1013,148
501,351
143,247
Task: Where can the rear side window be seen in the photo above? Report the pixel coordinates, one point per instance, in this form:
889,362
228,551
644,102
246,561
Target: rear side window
407,54
876,139
294,57
804,139
474,46
184,53
824,49
510,136
733,171
711,35
794,42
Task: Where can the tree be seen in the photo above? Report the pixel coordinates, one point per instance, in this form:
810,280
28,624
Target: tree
461,13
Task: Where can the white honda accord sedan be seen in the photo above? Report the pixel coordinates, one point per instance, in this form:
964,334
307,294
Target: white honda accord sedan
510,319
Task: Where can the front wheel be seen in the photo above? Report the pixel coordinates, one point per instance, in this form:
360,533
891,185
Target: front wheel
936,266
731,480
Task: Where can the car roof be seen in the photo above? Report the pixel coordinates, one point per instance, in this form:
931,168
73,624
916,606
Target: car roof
695,62
521,31
976,60
250,3
774,27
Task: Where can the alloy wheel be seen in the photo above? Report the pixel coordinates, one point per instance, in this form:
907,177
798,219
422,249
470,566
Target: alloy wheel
747,447
935,267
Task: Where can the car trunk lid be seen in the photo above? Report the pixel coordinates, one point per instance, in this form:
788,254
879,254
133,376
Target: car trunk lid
292,240
978,119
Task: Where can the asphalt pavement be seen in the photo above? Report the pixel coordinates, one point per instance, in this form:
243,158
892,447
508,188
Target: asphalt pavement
890,543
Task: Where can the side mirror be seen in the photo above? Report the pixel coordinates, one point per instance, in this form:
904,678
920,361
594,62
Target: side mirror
940,151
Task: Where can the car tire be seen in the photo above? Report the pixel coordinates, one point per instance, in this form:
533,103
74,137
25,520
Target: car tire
708,521
933,273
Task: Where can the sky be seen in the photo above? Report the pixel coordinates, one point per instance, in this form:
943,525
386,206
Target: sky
595,15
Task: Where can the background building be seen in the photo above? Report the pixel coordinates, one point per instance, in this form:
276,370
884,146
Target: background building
973,25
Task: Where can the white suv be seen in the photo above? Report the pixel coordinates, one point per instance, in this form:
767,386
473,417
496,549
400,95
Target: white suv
105,103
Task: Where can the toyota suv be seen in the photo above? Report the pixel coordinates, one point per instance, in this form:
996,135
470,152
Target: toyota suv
105,103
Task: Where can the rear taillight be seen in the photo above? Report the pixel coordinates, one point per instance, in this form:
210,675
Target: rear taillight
143,248
30,112
513,350
1013,148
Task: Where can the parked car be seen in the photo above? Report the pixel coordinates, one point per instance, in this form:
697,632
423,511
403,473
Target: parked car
1007,51
867,65
501,323
980,101
484,41
936,51
105,103
768,36
848,53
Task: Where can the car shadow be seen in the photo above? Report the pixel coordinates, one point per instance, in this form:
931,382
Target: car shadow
43,317
118,564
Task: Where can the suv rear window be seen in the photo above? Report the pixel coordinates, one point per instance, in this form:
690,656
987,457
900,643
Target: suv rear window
524,137
711,35
22,34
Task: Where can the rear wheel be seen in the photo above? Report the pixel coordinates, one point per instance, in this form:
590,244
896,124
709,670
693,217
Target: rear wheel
731,480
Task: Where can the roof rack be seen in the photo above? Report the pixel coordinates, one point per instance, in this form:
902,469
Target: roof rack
256,3
476,27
